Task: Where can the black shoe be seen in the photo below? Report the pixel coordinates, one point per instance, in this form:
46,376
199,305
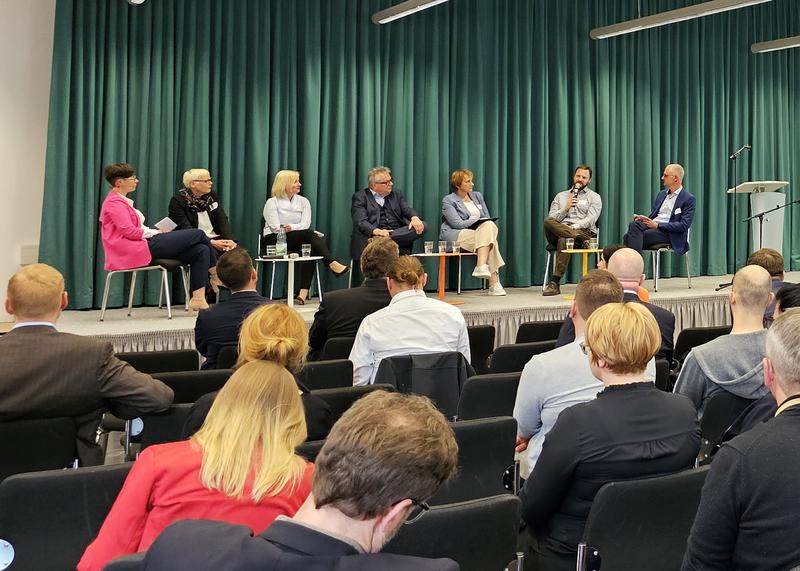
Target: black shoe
551,288
299,300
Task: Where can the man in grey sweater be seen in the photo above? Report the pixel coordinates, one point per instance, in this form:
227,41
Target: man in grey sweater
732,362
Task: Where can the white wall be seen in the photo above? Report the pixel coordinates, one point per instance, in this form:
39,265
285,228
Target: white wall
26,54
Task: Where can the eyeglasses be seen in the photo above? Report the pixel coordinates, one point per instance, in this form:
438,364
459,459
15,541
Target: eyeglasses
202,180
383,181
418,509
585,348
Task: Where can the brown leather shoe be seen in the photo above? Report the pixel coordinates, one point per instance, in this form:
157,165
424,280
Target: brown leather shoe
552,288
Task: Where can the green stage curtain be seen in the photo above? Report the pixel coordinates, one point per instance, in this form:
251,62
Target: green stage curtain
514,90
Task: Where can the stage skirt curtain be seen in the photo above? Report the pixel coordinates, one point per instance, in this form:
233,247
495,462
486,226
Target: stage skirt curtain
514,90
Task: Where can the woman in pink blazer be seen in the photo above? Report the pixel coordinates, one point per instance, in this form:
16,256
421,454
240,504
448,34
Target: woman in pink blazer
128,243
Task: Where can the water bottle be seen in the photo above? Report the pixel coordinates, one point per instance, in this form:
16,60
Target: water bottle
280,245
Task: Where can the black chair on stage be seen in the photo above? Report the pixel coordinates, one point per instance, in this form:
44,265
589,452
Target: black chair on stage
719,413
338,348
538,331
49,518
310,449
227,356
485,452
692,337
485,396
342,398
481,345
479,535
37,444
438,376
152,362
641,524
513,358
326,374
662,375
191,385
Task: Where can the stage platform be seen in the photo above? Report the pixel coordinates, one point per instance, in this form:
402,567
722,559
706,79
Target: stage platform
148,328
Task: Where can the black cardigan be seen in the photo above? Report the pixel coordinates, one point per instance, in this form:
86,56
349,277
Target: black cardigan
186,218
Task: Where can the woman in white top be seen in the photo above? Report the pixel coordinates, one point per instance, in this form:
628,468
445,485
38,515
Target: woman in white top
462,211
292,212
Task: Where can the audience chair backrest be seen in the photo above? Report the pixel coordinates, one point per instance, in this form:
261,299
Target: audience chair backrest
191,385
338,348
37,444
663,380
538,331
227,357
167,426
641,524
342,398
719,413
513,358
692,337
438,376
310,449
479,535
326,374
481,345
133,562
152,362
485,396
485,451
49,518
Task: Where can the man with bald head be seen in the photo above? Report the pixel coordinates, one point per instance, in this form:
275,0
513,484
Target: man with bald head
732,362
627,266
670,219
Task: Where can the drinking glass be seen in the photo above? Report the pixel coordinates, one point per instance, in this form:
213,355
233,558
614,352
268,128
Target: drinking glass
456,246
429,247
569,243
306,250
270,251
593,243
442,246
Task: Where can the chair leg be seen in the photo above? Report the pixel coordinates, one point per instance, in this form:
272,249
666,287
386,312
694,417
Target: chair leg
130,293
459,273
657,273
185,280
165,287
688,271
319,283
546,270
272,280
105,295
350,275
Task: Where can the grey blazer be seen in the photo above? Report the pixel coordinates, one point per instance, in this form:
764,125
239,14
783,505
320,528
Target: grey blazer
455,216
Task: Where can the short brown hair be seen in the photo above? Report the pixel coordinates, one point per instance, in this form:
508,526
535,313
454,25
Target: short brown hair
386,448
769,259
583,168
234,268
378,257
624,335
274,332
597,288
35,291
406,270
118,170
459,176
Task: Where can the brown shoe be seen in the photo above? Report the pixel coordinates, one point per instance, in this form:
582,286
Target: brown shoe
552,288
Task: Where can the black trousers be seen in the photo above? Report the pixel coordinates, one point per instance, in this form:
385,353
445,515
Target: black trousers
640,236
190,246
294,242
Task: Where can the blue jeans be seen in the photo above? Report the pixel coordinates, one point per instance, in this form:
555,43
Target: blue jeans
190,247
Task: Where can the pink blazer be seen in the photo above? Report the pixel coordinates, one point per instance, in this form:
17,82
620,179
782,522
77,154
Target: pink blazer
122,234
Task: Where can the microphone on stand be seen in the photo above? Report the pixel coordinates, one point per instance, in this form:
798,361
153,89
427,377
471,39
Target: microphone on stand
737,153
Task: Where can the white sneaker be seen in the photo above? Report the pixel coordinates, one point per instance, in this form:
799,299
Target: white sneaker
481,272
496,289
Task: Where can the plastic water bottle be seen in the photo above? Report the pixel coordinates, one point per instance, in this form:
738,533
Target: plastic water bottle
280,245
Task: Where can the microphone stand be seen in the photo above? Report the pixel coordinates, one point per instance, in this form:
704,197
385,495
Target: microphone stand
760,217
733,157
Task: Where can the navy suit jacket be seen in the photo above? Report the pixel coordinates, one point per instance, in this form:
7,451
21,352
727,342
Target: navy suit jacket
218,326
366,212
679,221
664,318
285,546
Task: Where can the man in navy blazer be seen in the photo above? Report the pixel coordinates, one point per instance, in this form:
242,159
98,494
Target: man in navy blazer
218,326
387,454
379,210
669,222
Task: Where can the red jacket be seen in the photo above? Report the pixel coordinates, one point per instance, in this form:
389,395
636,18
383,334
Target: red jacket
164,486
123,237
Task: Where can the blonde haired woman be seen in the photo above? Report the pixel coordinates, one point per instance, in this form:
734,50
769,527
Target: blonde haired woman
240,467
411,323
292,212
277,333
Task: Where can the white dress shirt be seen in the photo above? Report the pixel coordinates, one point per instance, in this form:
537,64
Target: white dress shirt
279,211
411,323
665,212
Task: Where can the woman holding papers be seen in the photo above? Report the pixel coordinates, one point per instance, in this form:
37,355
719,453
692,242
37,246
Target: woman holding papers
466,220
128,243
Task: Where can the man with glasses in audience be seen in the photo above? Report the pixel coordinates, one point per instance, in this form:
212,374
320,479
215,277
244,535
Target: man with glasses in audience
381,210
385,456
747,517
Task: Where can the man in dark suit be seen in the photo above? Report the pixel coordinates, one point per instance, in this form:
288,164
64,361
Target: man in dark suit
341,312
386,455
669,222
48,374
378,210
627,265
218,326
